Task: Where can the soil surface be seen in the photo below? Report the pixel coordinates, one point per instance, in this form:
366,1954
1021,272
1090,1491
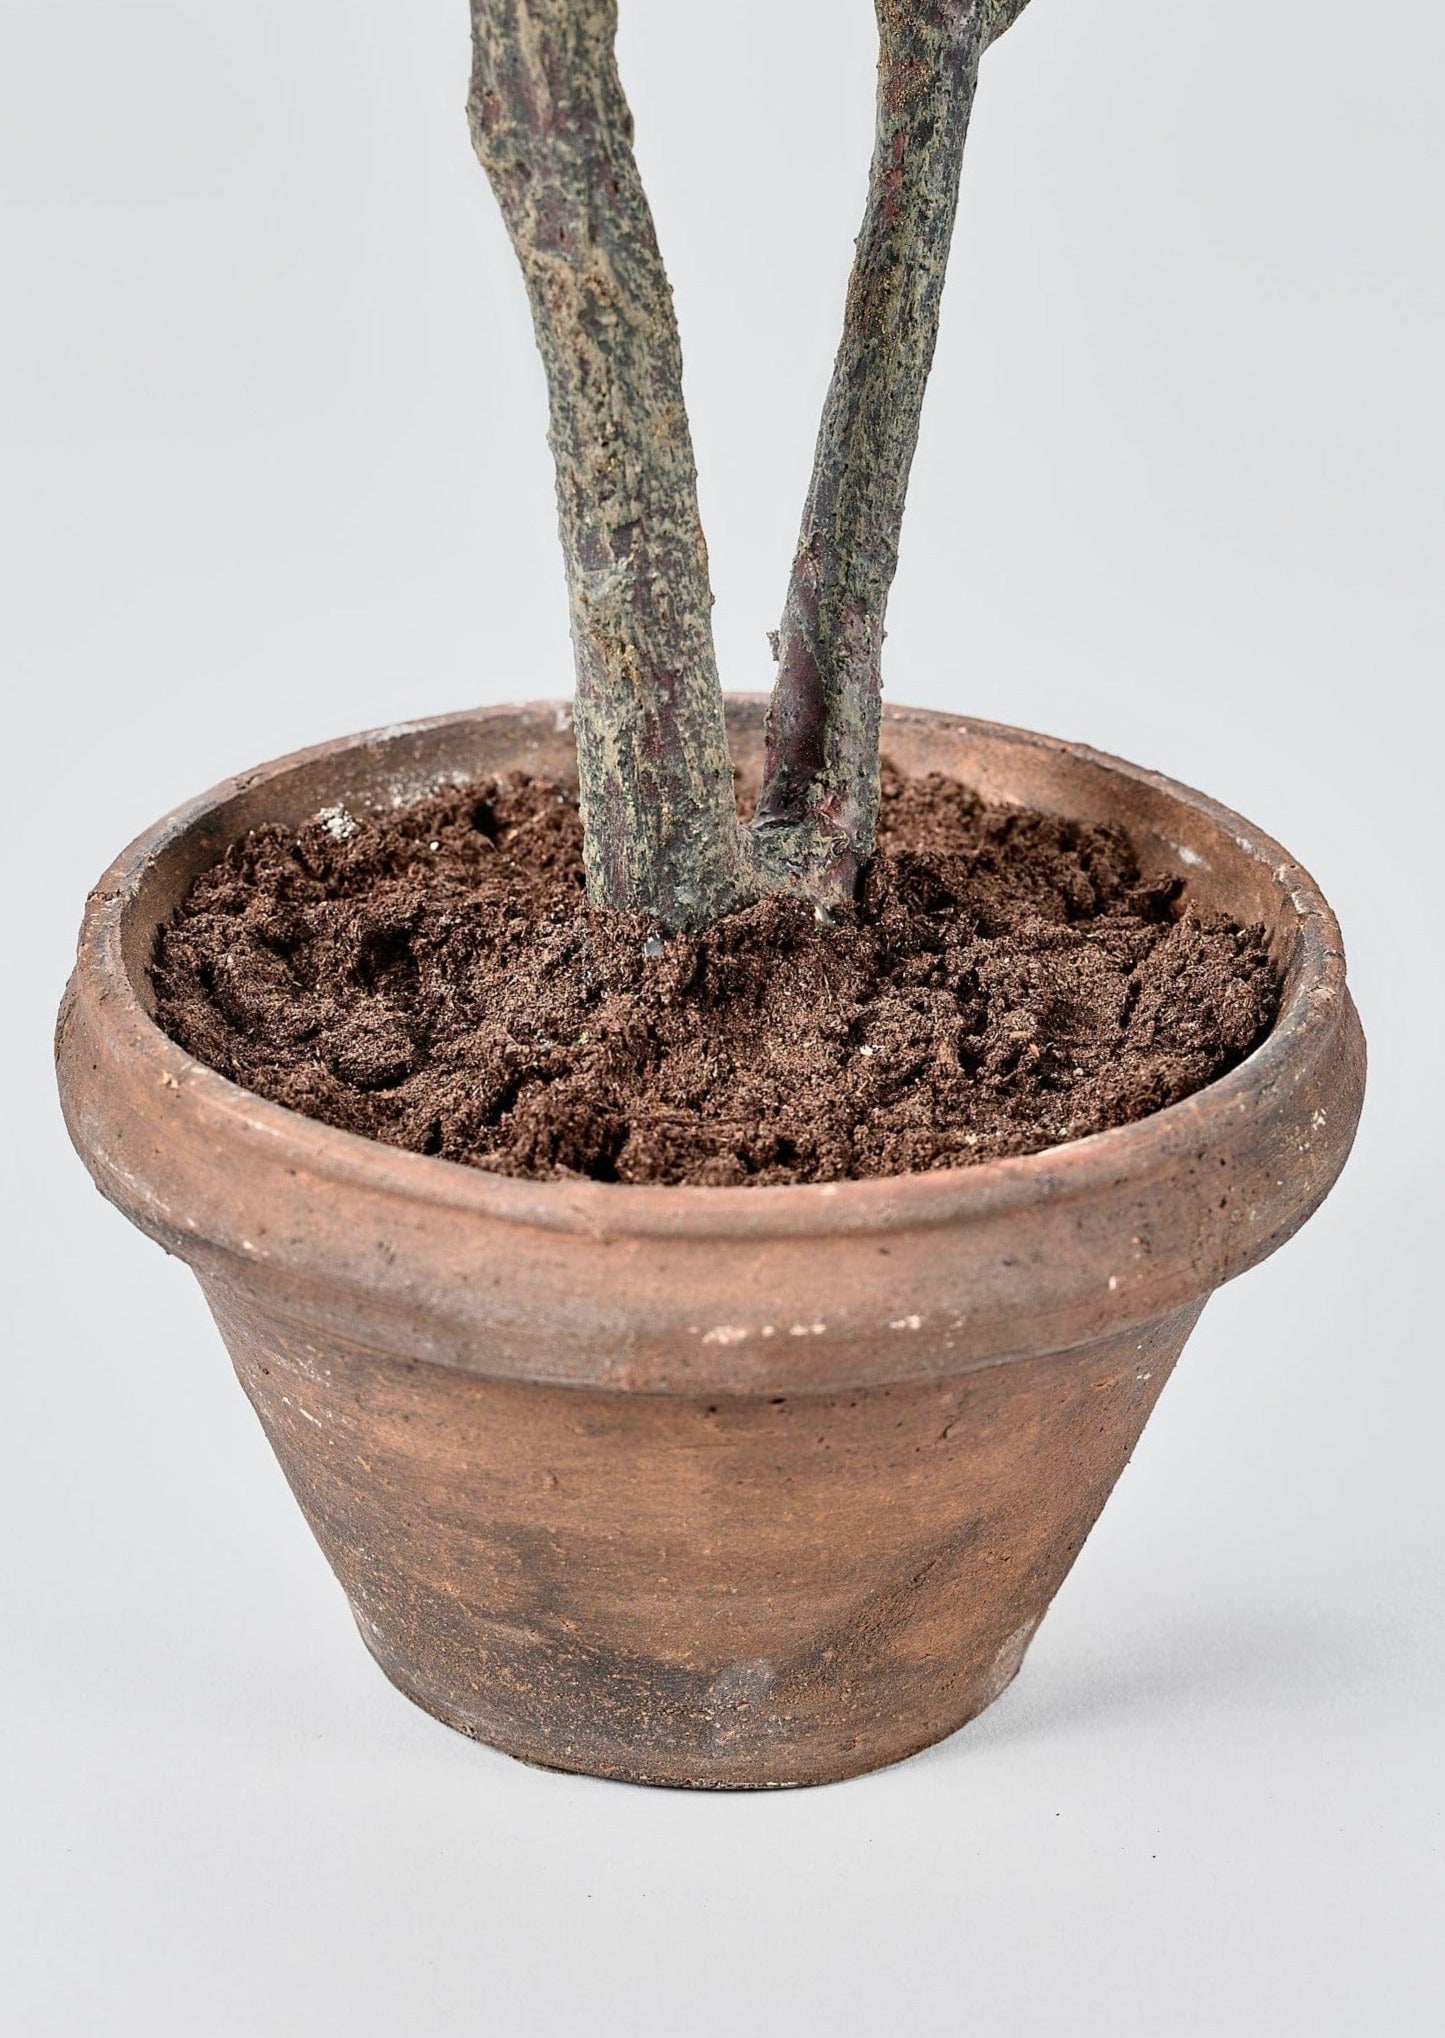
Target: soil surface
433,977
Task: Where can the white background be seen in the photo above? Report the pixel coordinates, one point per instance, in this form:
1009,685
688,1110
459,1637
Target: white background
274,470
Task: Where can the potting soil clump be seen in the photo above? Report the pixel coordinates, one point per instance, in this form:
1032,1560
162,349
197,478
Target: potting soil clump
434,978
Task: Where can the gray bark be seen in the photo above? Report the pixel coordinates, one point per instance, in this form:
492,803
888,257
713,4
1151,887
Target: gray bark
553,131
1001,14
819,808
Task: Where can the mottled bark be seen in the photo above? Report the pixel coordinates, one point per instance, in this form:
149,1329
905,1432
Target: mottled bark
999,15
819,809
553,131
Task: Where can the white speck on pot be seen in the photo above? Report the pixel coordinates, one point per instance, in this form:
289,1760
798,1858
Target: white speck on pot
1010,1656
733,1689
906,1323
1113,1283
806,1329
725,1334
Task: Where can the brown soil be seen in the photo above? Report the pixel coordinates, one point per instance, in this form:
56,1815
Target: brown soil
433,977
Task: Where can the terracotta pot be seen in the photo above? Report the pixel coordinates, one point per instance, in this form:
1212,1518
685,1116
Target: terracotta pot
719,1487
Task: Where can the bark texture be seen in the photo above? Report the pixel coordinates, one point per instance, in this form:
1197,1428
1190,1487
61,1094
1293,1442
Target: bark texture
1001,14
553,131
819,807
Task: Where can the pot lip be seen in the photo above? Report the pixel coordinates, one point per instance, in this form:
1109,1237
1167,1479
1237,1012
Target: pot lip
1313,1005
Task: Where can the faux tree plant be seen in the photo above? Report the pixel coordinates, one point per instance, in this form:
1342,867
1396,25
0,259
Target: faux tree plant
553,131
508,1406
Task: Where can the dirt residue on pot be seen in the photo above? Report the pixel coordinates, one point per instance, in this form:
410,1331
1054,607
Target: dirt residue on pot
433,977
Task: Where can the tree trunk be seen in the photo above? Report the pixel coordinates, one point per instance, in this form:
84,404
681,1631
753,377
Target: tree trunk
553,131
819,809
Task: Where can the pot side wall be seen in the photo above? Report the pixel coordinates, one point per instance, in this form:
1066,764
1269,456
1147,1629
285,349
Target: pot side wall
741,1592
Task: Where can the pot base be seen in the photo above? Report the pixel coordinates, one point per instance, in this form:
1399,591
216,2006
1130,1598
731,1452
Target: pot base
736,1592
850,1762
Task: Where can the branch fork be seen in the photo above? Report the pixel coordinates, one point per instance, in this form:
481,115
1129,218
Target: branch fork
553,131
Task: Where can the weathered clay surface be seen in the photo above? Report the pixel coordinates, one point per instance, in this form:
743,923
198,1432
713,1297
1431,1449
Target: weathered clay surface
721,1487
681,1589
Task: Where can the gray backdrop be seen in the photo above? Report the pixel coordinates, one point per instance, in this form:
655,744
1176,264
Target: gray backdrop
275,470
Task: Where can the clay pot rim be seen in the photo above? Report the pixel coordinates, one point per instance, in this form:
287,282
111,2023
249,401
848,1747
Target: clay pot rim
1311,1010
